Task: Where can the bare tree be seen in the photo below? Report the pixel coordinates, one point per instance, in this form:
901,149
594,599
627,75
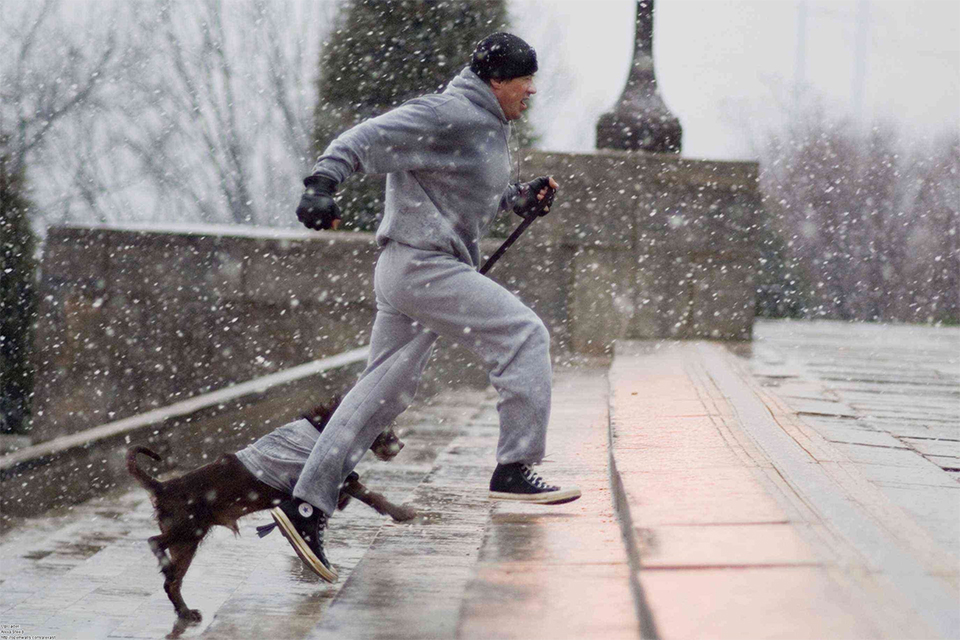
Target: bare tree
933,239
53,71
40,88
162,110
223,130
872,228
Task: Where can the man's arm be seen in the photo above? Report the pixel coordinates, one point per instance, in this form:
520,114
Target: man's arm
404,139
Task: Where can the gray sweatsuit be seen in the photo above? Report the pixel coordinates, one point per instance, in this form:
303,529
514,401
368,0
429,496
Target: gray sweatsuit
448,164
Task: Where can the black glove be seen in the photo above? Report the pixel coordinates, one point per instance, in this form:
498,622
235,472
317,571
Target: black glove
527,203
317,210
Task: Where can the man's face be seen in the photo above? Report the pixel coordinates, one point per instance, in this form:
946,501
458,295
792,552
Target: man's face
513,95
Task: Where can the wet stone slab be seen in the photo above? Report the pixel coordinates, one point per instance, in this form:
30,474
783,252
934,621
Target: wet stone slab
778,602
712,539
903,383
558,571
410,579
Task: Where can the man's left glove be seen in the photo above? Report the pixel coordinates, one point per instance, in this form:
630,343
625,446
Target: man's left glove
527,203
317,209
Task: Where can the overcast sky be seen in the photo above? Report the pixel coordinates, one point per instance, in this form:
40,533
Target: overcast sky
728,68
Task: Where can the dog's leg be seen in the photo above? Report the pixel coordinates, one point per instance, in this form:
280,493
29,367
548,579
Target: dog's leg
174,567
354,488
181,555
158,547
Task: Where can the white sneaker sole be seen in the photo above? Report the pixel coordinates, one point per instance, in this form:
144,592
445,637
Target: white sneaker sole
309,557
547,497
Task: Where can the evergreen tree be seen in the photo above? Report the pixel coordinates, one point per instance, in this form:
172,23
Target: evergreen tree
17,297
383,53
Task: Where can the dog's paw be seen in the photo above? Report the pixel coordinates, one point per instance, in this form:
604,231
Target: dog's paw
190,615
403,514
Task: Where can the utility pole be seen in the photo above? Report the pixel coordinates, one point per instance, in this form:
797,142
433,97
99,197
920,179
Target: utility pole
800,64
860,55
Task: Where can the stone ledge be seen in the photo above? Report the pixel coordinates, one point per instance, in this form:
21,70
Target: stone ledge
76,467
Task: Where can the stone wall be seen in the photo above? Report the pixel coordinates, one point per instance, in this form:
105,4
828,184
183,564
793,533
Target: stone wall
186,435
662,246
638,246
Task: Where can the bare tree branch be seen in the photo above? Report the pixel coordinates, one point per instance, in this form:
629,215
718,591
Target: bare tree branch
55,113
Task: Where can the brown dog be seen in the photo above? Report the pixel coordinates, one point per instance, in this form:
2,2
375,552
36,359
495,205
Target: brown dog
222,492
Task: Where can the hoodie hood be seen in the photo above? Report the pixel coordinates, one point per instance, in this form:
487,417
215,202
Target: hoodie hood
470,86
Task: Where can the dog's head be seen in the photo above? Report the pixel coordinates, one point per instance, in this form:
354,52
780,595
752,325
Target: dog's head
385,447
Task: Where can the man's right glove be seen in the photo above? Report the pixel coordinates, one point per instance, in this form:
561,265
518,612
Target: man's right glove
527,203
317,210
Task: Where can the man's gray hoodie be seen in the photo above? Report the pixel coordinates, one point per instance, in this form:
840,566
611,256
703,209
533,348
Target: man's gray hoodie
448,163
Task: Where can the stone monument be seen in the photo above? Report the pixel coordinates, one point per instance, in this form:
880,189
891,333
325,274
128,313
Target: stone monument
641,120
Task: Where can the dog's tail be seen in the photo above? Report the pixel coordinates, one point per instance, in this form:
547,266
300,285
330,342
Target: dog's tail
149,483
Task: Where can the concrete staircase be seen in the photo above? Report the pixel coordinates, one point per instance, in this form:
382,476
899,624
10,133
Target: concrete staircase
711,508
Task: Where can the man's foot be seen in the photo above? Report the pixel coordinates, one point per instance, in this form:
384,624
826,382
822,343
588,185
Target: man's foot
519,482
303,524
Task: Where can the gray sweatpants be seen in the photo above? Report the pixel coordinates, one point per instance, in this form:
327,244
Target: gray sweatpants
421,295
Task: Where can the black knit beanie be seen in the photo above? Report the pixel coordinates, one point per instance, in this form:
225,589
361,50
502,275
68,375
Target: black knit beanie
503,56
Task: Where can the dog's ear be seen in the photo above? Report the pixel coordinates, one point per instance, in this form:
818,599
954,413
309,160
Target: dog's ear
320,414
324,411
334,403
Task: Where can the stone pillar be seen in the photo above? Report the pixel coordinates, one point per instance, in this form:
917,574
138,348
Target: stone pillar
640,120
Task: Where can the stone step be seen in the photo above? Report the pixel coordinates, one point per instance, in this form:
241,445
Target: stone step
739,506
471,568
558,572
743,514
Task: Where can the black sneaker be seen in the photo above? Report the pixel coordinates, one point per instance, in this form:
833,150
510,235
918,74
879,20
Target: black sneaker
303,524
519,482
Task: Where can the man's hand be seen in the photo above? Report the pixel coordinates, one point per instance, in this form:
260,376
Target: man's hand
317,209
536,197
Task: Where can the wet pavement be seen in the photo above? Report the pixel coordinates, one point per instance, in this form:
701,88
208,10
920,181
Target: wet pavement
888,397
805,485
